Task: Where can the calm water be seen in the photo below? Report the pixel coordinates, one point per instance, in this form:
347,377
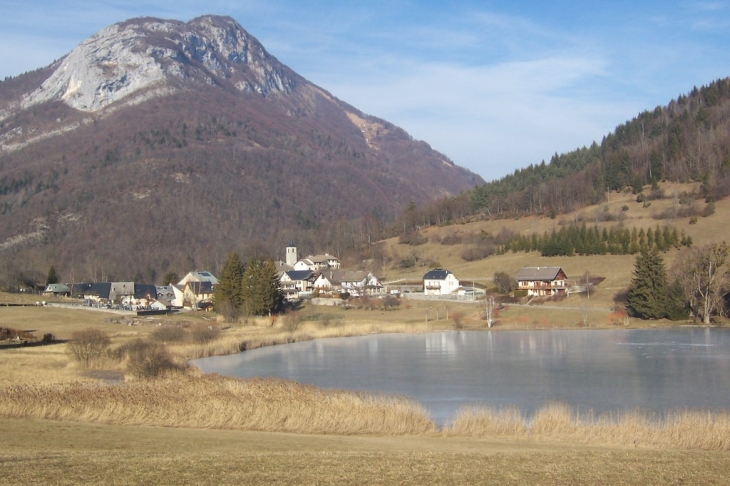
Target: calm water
614,370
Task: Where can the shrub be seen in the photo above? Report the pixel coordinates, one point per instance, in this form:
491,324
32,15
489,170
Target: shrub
408,262
624,208
88,345
458,319
168,334
202,333
390,302
291,321
149,360
504,283
451,239
693,220
709,209
478,251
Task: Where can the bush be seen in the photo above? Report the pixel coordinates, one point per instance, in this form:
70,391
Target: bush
504,283
149,360
709,209
202,333
478,252
291,321
458,319
88,345
168,334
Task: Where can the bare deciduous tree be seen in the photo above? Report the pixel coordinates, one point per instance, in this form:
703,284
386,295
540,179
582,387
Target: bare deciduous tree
88,345
703,274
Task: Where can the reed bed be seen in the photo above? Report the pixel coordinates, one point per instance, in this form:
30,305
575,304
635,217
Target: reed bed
687,429
212,401
235,341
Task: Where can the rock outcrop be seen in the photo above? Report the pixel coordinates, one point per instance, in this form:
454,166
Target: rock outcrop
143,54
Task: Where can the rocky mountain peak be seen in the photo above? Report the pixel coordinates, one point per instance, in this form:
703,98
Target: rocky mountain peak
141,58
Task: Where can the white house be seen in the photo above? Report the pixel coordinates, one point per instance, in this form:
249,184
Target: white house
170,295
198,276
356,283
439,282
296,283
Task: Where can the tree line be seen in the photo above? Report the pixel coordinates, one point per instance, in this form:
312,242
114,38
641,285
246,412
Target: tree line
250,289
698,290
582,240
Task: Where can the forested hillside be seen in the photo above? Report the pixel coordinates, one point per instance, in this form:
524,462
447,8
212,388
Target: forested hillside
687,140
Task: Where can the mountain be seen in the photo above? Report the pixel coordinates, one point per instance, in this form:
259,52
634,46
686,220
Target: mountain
158,144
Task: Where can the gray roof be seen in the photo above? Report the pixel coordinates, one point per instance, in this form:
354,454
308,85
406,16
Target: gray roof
538,273
437,274
300,274
58,288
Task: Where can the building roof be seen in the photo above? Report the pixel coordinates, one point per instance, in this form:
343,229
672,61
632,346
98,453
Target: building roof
282,267
538,273
199,276
437,274
58,288
295,275
322,258
143,291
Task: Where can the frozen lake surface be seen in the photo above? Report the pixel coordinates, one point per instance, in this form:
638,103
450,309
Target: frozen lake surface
611,370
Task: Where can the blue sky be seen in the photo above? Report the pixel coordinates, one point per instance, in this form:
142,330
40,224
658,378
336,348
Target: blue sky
494,85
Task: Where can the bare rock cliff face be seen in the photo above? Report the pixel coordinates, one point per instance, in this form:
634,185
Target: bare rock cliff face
144,55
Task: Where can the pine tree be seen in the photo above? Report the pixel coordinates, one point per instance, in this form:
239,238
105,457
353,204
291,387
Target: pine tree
228,295
52,278
677,303
260,289
647,297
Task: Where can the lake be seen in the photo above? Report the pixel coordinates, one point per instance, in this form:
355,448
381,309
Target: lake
602,370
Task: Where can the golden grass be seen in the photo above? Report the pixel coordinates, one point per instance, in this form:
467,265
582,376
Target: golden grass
246,338
46,451
183,400
685,429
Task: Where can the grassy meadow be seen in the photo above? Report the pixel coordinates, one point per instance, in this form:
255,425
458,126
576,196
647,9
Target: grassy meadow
66,423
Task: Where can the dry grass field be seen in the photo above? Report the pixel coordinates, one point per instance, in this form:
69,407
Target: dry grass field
66,424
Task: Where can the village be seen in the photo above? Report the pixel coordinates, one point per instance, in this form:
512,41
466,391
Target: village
318,278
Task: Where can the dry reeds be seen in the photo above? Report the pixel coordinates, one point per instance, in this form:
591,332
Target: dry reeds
216,402
687,429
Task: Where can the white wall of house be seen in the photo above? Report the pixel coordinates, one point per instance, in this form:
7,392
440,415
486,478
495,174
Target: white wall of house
441,287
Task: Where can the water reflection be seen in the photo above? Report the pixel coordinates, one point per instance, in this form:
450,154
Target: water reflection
600,370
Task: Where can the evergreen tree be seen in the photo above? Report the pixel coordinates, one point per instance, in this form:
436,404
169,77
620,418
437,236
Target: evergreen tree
677,303
260,289
52,278
647,297
170,278
228,295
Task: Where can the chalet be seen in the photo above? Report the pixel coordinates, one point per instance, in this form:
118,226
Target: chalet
57,289
296,283
542,281
142,295
170,295
318,263
439,282
355,283
198,276
199,294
